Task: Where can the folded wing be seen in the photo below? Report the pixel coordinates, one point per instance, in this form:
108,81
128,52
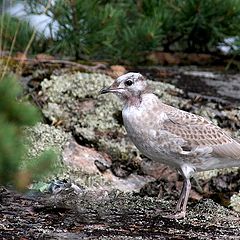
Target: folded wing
198,131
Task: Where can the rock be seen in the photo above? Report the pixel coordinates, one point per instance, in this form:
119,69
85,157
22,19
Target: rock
157,170
163,58
235,202
79,164
118,216
95,121
20,56
168,182
199,58
82,162
42,137
73,101
117,70
167,58
84,158
44,57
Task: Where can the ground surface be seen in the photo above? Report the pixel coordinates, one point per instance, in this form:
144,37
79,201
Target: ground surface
114,215
99,215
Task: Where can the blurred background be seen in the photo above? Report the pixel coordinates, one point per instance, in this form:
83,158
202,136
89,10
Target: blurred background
121,31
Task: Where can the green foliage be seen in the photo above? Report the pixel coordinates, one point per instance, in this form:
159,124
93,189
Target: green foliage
16,34
14,115
136,33
201,25
127,29
83,26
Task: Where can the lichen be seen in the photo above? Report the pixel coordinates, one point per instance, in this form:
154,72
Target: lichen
74,101
235,202
95,119
42,137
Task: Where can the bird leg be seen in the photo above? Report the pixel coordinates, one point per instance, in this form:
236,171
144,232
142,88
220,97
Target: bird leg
182,202
183,199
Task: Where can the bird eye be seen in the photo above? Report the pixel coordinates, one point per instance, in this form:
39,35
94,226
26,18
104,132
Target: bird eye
128,83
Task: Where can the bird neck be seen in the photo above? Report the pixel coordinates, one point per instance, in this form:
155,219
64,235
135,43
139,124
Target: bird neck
133,101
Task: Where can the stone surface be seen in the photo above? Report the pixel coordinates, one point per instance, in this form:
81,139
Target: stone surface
84,170
235,202
84,158
42,137
77,163
113,215
73,101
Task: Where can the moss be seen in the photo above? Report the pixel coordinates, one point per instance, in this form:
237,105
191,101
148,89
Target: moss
74,100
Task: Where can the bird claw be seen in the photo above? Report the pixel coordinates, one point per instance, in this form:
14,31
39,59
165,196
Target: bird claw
178,215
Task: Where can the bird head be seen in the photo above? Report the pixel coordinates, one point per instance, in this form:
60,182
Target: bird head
128,87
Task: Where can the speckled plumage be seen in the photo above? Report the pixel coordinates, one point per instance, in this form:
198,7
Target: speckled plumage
166,134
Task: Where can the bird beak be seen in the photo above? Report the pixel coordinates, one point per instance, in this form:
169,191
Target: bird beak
114,88
105,90
111,89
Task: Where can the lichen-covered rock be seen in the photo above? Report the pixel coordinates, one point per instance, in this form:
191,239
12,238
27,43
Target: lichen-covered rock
76,163
42,137
84,166
235,202
74,100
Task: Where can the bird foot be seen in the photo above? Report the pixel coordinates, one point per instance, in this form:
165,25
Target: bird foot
177,215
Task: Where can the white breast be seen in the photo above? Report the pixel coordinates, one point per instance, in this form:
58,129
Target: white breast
143,125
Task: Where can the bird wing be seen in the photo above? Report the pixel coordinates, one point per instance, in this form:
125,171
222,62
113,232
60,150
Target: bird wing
200,132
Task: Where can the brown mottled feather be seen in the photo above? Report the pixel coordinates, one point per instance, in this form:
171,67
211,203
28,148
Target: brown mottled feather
198,131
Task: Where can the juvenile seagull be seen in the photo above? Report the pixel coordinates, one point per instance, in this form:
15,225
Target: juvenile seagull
182,140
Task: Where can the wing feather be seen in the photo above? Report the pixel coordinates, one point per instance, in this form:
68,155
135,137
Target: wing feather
198,131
